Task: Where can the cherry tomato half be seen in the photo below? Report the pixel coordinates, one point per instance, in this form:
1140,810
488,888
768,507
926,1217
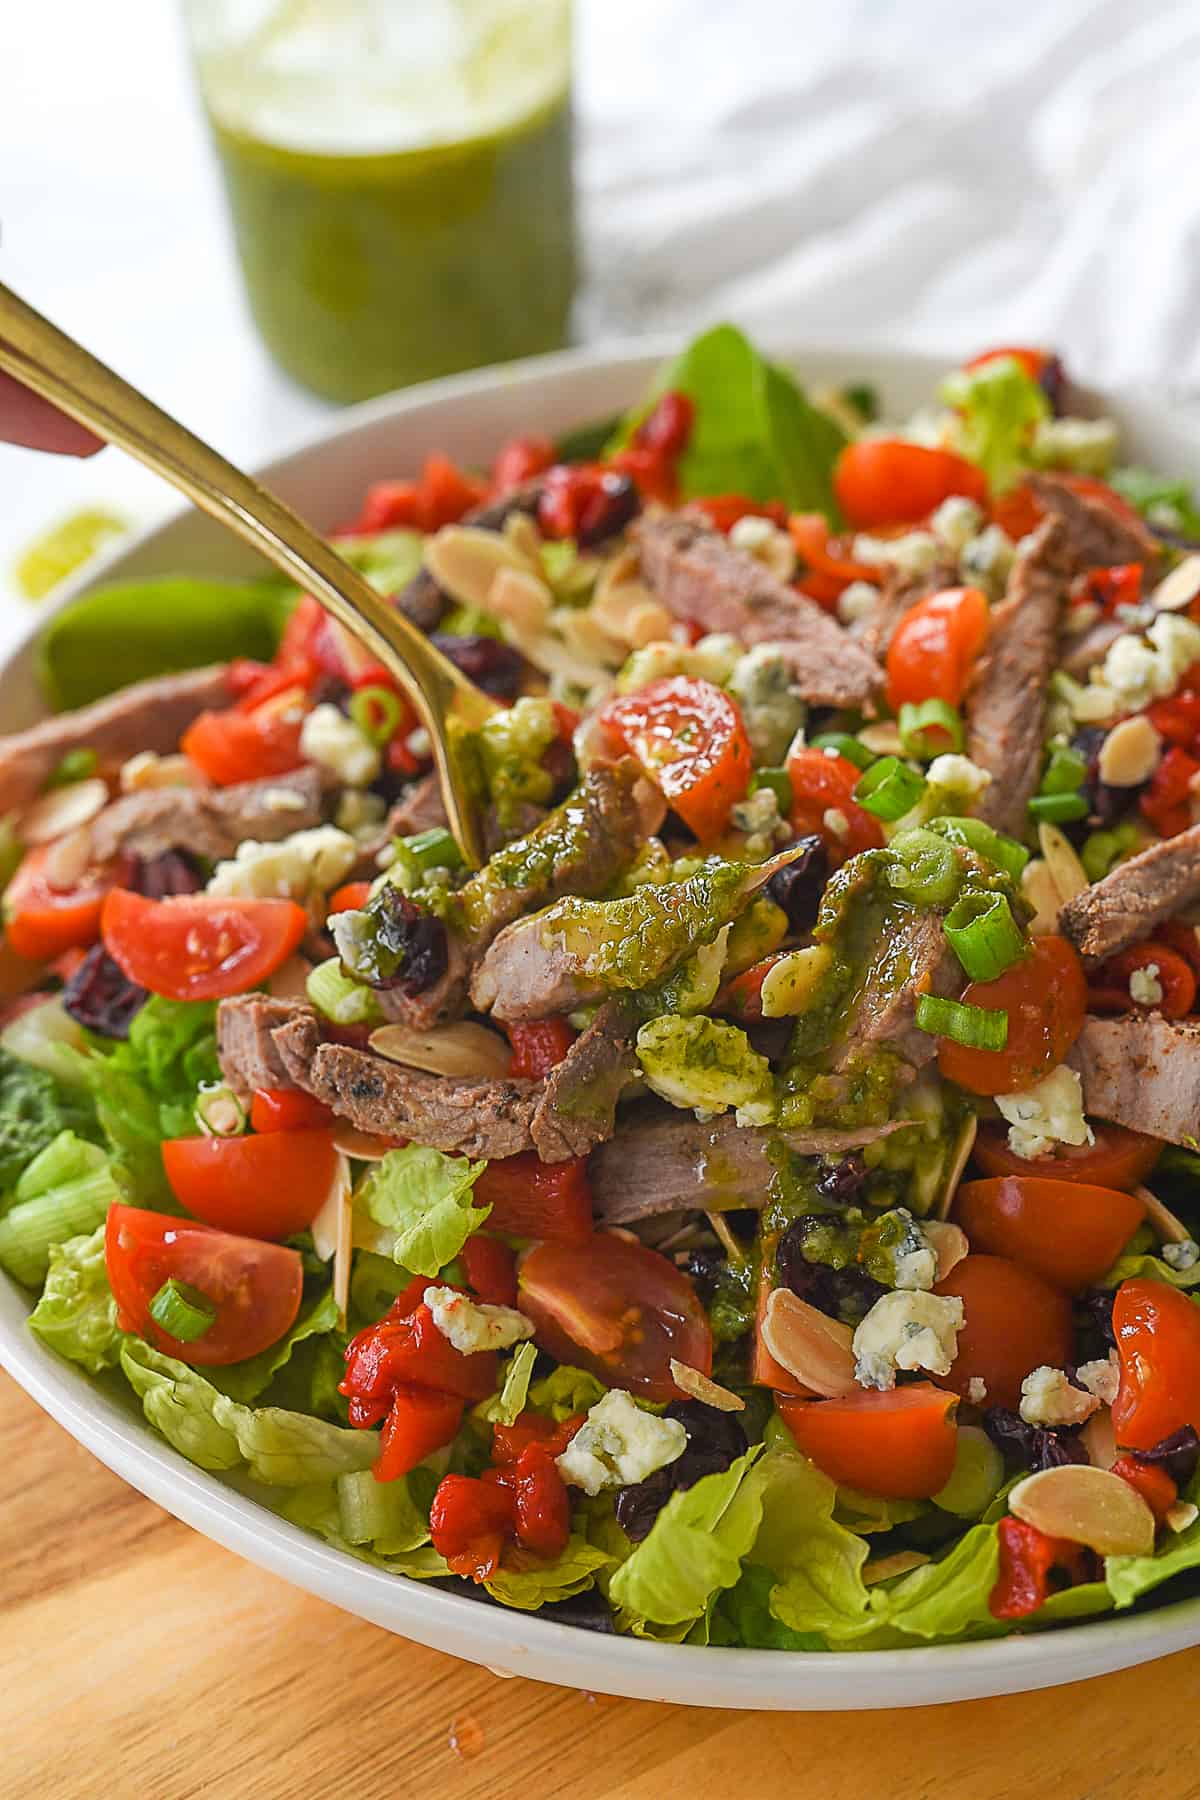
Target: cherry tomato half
899,1444
888,481
255,1287
1119,1158
262,1187
1158,1344
199,946
689,738
823,785
233,746
1014,1321
618,1309
1045,997
1110,985
1069,1232
934,647
42,920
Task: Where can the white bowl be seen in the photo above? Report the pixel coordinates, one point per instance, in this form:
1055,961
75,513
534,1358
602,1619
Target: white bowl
325,478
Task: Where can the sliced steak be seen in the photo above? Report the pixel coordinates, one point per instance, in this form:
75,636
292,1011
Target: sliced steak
1142,1072
247,1051
699,576
150,715
1006,704
422,600
1079,654
1097,536
1135,897
911,957
897,596
419,808
209,822
578,1106
663,1160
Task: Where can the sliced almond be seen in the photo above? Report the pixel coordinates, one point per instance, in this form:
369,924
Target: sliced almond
809,1344
960,1156
883,738
520,599
1129,754
1181,1515
290,980
725,1237
67,859
63,809
1068,873
463,1050
465,560
1088,1506
791,982
647,623
698,1387
361,1145
1168,1228
883,1568
1179,588
148,770
949,1245
1100,1440
521,532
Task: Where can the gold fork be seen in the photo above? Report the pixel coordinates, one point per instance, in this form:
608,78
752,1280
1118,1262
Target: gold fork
61,370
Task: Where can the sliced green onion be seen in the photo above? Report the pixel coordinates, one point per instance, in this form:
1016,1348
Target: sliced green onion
433,849
925,727
845,745
219,1112
923,868
182,1311
76,765
1058,809
377,712
984,936
974,835
978,1027
889,788
1065,773
780,784
1103,850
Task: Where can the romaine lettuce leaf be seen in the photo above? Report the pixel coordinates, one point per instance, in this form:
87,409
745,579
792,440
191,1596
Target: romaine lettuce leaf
380,1513
998,407
278,1448
1160,499
743,1616
245,1381
695,1547
571,1573
76,1314
1152,1268
754,431
34,1108
505,1405
1129,1577
945,1599
566,1391
317,1507
66,1191
416,1207
817,1563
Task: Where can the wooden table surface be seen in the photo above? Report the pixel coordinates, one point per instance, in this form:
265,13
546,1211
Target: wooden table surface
141,1662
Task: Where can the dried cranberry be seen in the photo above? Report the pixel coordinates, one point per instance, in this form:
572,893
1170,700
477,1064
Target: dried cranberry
495,667
798,887
847,1294
1178,1454
1052,379
715,1439
1032,1446
844,1181
1096,1308
588,504
408,948
158,877
101,996
704,1269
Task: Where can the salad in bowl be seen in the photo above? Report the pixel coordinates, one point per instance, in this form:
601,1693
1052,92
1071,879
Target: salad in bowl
758,1206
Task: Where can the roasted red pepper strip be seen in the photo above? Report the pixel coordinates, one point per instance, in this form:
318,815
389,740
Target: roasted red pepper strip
1027,1557
510,1441
542,1508
1166,802
1109,990
491,1269
538,1047
1155,1486
533,1199
469,1522
418,1423
406,1349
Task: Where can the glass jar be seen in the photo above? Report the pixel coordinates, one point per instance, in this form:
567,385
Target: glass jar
399,175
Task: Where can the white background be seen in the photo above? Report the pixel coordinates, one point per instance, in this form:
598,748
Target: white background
943,173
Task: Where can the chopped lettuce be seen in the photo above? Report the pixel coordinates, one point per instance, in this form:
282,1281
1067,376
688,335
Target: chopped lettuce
817,1562
245,1381
34,1109
380,1513
999,407
565,1392
388,559
323,1506
278,1448
945,1599
505,1406
76,1314
1166,503
65,1191
416,1206
571,1573
694,1549
743,1615
1138,1267
1129,1577
754,431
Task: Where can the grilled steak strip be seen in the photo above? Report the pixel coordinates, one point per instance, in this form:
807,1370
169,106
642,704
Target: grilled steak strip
149,715
209,822
699,576
1138,895
248,1054
665,1160
911,957
1142,1072
1097,537
422,600
1006,704
578,1105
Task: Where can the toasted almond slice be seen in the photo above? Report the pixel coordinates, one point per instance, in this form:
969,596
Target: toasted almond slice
148,770
465,560
1181,1515
1040,889
1179,588
792,981
1129,754
361,1145
63,809
1169,1229
964,1143
949,1245
808,1344
1100,1440
900,1562
465,1050
524,536
691,1382
725,1237
883,738
521,599
1069,874
68,857
332,1231
1088,1506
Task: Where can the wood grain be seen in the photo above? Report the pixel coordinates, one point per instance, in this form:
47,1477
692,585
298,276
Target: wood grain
141,1662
